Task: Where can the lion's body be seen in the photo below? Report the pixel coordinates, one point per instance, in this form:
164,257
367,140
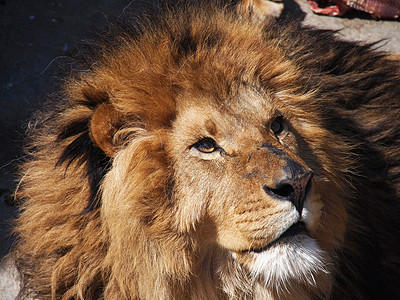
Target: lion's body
153,179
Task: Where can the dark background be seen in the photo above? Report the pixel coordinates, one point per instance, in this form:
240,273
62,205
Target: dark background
36,37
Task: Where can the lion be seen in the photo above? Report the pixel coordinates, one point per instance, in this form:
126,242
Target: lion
197,154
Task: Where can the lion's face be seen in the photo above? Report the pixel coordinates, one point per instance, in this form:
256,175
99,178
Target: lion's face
241,171
227,160
246,175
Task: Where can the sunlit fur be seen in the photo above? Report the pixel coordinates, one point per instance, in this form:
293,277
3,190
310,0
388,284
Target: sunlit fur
119,202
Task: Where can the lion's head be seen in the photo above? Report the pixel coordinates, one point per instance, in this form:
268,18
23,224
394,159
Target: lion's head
204,156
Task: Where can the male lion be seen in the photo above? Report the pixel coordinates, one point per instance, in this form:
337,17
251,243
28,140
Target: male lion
202,156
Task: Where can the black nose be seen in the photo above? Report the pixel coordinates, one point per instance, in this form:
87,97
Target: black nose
293,185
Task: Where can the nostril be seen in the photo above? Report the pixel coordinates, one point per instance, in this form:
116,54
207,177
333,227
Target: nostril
283,190
292,188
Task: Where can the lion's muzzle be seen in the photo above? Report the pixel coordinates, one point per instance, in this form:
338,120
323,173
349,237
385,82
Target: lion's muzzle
293,182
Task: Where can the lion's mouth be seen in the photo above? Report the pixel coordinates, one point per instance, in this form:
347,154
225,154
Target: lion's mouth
295,229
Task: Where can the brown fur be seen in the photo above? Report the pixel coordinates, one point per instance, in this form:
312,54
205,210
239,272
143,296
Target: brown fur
120,204
260,9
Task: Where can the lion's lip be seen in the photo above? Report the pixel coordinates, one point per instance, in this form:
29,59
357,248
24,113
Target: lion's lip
295,229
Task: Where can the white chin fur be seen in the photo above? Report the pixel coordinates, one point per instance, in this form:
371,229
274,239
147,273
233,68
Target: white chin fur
298,258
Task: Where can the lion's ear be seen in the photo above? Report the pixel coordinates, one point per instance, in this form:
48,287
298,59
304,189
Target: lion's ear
104,123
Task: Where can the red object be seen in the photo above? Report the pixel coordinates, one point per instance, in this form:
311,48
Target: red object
389,9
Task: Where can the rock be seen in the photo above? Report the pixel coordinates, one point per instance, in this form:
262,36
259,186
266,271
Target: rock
10,281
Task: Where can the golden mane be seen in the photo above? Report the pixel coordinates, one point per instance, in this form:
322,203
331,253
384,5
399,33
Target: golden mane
140,181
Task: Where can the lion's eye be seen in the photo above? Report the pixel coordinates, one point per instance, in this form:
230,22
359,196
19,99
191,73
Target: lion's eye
277,126
206,145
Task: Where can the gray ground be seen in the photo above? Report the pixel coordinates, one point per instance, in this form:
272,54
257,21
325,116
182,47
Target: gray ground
37,35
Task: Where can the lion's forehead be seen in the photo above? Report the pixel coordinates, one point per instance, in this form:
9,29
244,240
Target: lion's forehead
242,114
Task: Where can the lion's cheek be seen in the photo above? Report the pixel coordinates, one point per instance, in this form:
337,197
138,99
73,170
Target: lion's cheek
253,226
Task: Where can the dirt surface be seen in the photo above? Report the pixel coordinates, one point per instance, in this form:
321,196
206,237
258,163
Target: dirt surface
37,36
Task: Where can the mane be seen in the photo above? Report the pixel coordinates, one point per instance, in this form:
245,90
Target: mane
67,242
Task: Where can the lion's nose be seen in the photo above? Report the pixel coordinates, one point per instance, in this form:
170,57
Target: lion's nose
293,185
